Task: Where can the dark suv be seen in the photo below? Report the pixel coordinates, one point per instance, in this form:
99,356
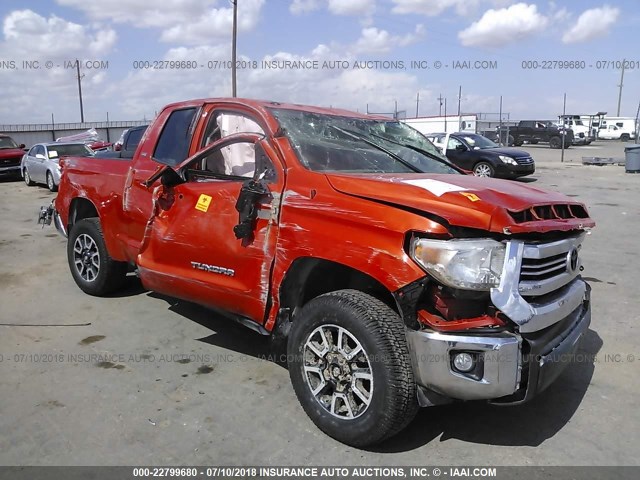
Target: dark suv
483,157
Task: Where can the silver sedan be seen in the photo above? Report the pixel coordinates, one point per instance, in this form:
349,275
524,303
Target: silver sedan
40,163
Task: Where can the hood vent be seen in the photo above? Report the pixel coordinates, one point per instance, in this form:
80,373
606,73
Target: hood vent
549,212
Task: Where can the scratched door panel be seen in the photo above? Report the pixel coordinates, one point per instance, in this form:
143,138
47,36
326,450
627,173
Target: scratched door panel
192,253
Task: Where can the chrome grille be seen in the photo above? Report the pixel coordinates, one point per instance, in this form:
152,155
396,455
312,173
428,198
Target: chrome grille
547,267
524,160
541,269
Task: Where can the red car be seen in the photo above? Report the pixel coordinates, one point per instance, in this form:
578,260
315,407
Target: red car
10,156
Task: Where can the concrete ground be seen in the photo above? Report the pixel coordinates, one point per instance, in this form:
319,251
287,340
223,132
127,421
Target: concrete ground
144,379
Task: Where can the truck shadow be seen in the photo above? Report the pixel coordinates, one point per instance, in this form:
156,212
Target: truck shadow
475,422
524,425
227,333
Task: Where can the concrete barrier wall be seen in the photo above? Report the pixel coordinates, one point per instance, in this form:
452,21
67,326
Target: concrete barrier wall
31,134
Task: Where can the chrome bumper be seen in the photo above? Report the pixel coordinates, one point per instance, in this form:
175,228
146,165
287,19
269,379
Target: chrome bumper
501,362
499,375
49,213
57,221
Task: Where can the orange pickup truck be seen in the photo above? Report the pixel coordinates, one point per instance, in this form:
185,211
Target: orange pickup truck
398,280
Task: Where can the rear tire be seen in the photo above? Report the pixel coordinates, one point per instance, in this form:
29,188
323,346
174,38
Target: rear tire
483,169
27,178
350,368
50,183
93,270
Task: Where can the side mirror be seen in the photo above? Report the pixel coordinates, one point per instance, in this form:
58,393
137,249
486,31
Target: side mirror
41,156
461,148
22,146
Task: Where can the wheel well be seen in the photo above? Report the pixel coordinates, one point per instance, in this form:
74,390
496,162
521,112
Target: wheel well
309,277
483,160
81,208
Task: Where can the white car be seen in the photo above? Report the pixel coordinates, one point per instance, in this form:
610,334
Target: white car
40,163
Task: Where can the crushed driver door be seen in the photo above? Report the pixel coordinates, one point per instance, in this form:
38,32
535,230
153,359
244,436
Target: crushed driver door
212,236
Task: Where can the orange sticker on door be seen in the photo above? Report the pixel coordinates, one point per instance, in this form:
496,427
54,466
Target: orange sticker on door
203,203
471,196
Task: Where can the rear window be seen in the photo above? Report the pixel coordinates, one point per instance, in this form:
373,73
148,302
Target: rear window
80,150
134,138
173,144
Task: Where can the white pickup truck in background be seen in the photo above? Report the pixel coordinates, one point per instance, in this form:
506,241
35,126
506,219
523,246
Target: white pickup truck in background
617,129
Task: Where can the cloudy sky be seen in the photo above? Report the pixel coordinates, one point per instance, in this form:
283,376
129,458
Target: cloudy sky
358,54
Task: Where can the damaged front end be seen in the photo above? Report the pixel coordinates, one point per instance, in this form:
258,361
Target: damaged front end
494,319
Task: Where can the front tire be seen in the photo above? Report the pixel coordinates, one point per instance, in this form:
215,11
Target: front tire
93,270
555,142
51,183
350,368
27,178
625,137
483,169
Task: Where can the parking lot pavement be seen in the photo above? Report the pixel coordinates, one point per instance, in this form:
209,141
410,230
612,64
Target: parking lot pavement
145,379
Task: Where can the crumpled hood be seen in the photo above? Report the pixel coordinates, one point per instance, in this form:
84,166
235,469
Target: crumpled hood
489,204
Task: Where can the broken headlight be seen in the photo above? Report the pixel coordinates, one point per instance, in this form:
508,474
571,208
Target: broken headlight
474,264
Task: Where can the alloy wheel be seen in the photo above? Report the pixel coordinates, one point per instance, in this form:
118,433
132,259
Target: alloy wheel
338,371
86,257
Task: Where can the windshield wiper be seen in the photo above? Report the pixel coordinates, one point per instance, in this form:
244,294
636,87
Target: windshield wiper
416,149
378,147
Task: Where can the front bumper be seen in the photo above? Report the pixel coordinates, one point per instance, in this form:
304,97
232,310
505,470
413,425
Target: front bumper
519,170
582,140
511,367
10,170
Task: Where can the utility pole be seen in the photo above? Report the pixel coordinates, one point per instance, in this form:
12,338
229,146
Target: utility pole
80,89
564,132
440,99
417,103
621,84
446,130
459,100
637,125
233,48
500,123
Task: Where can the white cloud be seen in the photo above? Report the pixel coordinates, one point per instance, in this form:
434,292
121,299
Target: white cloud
142,13
32,36
504,26
352,7
145,91
298,7
433,8
214,24
591,24
374,40
363,8
182,21
32,95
